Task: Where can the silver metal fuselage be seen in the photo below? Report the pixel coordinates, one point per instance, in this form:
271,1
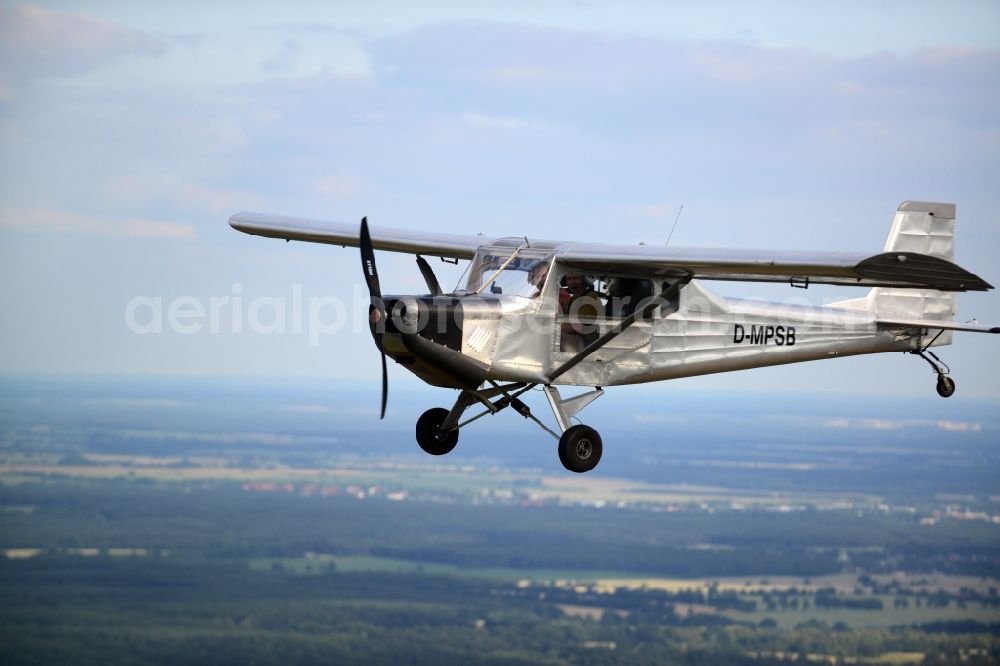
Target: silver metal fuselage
517,339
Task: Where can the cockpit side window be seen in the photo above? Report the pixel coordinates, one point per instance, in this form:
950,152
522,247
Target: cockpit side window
589,304
622,294
521,272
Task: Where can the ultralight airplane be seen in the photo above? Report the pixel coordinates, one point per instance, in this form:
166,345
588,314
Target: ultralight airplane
556,313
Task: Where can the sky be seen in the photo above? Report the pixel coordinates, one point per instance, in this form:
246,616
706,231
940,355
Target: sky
129,133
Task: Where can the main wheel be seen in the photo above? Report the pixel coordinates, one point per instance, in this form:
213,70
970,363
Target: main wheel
429,435
580,449
945,386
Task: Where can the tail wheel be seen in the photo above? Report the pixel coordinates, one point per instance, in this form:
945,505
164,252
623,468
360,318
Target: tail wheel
580,449
429,435
945,386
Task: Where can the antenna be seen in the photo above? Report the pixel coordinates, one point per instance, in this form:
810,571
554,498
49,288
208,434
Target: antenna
679,211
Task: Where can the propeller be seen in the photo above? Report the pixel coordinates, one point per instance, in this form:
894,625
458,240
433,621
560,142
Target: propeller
376,311
432,282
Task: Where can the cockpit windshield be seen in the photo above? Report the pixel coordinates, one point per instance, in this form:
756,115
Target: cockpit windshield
511,271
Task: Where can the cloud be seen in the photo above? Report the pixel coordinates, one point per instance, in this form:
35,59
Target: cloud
639,83
842,423
501,122
164,191
308,27
646,120
340,186
657,210
37,42
283,60
659,418
199,198
309,409
52,221
211,135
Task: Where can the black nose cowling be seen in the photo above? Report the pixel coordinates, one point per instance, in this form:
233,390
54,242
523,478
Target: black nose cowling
438,319
429,331
424,332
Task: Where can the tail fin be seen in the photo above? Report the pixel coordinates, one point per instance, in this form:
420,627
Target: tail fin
927,228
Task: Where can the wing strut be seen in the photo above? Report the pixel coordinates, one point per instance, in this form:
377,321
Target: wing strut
662,298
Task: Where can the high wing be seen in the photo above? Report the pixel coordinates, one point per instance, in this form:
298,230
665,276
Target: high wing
453,246
887,269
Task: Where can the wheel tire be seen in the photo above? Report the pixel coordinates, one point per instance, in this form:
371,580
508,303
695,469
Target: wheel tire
945,386
429,435
580,449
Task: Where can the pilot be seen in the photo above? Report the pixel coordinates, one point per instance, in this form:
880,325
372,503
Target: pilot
583,305
537,276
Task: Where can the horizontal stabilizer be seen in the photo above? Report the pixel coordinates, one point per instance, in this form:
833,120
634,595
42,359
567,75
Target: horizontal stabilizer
892,322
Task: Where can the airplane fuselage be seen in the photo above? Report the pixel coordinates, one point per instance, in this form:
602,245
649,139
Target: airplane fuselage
510,339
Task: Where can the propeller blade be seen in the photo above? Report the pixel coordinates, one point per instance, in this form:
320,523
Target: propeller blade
429,277
368,265
385,386
376,310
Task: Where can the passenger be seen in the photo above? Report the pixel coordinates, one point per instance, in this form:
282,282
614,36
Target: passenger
583,306
626,294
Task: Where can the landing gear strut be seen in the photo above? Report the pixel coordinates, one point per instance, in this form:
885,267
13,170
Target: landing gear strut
580,446
945,384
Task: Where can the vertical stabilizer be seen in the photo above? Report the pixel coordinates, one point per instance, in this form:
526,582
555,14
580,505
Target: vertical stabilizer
926,228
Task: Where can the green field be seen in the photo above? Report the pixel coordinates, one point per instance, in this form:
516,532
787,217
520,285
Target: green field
888,616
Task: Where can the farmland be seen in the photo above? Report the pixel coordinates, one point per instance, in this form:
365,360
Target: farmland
262,543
